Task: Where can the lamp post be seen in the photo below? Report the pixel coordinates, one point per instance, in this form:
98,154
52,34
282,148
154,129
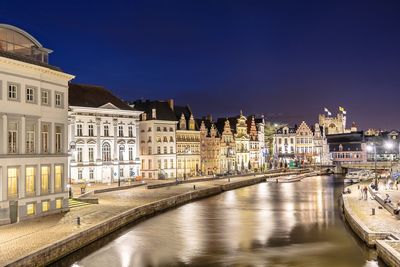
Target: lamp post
72,152
372,147
389,146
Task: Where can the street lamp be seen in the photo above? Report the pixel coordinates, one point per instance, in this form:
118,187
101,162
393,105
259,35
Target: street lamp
372,148
72,153
389,146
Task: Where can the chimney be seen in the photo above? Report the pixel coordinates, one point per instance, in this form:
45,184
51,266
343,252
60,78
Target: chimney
171,103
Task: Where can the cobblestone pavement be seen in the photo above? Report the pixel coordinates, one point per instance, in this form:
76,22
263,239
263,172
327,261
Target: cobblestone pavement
18,240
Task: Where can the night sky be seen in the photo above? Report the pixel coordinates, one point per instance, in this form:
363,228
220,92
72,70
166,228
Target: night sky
285,59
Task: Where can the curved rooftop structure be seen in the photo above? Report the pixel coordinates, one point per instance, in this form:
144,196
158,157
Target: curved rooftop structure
15,41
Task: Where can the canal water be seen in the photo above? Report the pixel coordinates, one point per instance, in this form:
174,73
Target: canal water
268,224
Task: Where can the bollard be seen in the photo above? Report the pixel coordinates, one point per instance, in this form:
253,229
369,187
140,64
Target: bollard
373,211
78,220
194,187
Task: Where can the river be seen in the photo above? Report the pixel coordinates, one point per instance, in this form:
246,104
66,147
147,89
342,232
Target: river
268,224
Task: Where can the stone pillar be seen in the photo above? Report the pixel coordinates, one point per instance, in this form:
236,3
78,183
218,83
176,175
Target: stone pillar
5,135
115,125
52,138
98,135
38,144
22,148
3,183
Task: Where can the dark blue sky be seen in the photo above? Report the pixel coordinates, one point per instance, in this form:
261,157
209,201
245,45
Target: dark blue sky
286,59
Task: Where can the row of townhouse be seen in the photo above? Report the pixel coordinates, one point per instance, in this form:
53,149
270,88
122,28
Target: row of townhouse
302,144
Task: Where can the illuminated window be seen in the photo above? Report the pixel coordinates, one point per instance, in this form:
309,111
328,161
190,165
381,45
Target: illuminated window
58,178
12,179
30,181
45,138
59,203
31,209
58,139
44,183
45,206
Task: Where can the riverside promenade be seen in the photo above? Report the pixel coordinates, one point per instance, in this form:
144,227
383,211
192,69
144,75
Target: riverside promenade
43,240
373,223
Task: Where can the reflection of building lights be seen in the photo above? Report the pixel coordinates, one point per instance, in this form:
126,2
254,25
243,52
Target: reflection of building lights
125,255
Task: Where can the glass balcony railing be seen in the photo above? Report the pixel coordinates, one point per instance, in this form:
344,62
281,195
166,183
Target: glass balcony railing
30,52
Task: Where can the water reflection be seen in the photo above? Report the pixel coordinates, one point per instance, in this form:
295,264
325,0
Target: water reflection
295,224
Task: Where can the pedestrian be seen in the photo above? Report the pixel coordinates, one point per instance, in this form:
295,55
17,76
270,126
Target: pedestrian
396,184
365,192
387,199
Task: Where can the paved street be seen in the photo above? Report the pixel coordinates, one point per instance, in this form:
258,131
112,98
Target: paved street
22,238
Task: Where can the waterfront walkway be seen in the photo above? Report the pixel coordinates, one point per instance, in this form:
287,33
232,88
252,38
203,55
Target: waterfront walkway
375,225
23,238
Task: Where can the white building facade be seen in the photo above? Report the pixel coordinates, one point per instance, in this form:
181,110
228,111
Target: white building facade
158,126
103,140
33,129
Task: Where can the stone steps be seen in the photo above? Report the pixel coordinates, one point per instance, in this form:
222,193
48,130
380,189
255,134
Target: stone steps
73,203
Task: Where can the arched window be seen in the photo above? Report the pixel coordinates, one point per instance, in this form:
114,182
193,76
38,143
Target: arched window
106,149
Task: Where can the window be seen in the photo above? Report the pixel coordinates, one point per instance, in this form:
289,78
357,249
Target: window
12,182
91,154
121,172
79,154
58,178
59,100
130,152
59,203
165,164
165,150
158,129
45,205
158,150
159,164
149,163
44,182
106,131
130,131
149,129
30,181
91,174
171,150
31,209
106,152
171,129
149,140
165,129
171,139
143,164
79,131
121,153
80,174
45,138
90,130
58,139
30,139
150,151
12,138
45,96
30,95
12,92
171,163
121,131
